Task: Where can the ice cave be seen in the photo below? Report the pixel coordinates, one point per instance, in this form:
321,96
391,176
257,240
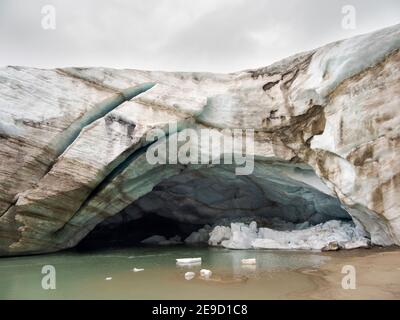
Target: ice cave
282,205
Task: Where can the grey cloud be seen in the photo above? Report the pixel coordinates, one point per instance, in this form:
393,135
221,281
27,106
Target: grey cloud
206,35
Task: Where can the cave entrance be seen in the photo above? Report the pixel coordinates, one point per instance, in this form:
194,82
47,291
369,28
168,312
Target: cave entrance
278,195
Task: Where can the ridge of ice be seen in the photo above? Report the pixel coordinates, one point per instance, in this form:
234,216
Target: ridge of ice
325,236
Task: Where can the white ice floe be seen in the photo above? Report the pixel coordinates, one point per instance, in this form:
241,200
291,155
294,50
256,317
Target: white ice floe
137,269
188,261
206,274
331,235
251,261
189,275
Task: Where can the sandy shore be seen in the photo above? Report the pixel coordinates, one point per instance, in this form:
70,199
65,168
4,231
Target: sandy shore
377,275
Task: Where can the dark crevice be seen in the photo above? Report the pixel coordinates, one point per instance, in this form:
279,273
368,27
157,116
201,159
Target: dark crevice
270,85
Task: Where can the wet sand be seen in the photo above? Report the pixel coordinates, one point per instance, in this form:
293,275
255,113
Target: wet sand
377,275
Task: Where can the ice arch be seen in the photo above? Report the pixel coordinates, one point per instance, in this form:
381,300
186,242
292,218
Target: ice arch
278,194
277,190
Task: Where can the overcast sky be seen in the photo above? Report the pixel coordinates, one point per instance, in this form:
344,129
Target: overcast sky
186,35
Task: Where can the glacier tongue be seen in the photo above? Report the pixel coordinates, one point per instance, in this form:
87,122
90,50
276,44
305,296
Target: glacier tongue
331,235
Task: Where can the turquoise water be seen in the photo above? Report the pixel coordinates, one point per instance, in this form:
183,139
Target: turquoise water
84,275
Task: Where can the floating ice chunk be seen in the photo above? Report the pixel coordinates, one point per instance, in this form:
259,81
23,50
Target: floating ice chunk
188,261
137,269
205,273
249,261
109,278
189,275
188,265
